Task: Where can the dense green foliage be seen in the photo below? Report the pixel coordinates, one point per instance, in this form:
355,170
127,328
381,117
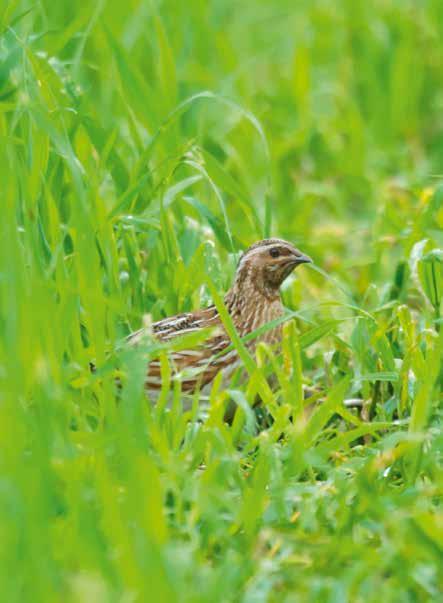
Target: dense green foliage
143,145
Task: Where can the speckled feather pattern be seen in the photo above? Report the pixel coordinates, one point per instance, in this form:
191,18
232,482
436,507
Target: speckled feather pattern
253,301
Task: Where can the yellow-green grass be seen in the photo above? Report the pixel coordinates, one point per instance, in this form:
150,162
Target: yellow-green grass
143,145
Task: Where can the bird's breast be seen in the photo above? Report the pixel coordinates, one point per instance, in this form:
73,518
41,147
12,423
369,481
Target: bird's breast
258,314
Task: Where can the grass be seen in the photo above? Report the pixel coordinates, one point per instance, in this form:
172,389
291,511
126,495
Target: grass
143,145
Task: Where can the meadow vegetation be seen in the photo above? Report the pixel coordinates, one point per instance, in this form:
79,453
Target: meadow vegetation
143,145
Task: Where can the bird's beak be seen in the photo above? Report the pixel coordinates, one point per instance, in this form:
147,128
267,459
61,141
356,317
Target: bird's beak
298,258
290,262
294,260
302,259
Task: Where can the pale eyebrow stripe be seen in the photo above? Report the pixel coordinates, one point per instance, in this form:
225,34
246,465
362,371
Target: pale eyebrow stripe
267,246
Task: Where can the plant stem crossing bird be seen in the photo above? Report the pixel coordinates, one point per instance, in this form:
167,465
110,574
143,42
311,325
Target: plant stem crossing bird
253,301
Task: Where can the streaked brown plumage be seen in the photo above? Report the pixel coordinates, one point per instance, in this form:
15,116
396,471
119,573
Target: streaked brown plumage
252,301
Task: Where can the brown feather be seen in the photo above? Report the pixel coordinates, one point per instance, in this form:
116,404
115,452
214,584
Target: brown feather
252,301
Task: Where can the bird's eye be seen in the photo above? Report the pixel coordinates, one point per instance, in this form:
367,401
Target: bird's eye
274,252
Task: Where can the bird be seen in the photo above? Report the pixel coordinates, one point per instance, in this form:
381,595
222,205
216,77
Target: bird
252,301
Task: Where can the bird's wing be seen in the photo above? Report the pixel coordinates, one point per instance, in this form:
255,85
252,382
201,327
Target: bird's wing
177,326
200,360
183,324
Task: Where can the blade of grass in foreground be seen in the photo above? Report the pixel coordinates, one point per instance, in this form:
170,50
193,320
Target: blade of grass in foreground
258,381
421,404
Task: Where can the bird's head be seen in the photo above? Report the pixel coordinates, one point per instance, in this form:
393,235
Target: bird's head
266,264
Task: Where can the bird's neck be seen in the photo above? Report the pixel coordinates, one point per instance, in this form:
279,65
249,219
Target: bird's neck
252,305
250,284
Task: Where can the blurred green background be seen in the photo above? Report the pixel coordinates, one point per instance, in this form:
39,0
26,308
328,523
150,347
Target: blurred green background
142,146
